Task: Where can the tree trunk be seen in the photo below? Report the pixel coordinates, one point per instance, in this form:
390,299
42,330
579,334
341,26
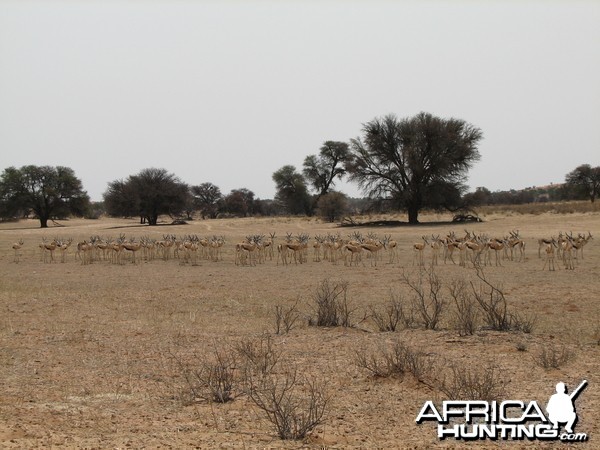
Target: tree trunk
413,214
152,220
43,222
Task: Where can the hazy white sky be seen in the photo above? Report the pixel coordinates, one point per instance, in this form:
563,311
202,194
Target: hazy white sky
230,91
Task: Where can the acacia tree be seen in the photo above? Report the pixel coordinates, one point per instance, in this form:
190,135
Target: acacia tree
50,192
292,190
240,202
417,162
587,179
332,206
148,194
322,170
207,197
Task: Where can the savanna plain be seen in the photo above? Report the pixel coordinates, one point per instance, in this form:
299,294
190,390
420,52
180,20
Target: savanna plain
107,355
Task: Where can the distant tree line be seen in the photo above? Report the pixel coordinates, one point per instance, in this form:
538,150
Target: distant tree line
401,164
483,196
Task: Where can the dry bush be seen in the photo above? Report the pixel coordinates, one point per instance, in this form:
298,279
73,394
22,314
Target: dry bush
294,405
491,300
427,301
524,323
466,315
393,316
552,357
496,314
463,383
395,361
214,380
286,318
332,306
521,346
258,356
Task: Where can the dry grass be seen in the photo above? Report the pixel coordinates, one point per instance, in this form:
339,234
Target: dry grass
86,352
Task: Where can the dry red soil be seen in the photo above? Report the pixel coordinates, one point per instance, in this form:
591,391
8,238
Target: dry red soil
95,356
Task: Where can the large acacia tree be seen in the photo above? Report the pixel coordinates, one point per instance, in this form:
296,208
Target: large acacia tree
148,194
50,192
586,179
418,162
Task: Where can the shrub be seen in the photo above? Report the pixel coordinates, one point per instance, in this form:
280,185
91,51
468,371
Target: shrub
286,318
464,383
552,357
213,381
258,356
395,361
332,305
427,301
393,315
466,315
496,314
492,302
293,405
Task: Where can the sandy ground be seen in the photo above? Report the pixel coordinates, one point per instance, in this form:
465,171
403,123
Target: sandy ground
95,356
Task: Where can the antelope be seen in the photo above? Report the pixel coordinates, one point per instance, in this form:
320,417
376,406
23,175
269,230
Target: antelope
298,247
245,250
352,250
148,248
331,247
436,246
543,243
476,246
418,250
391,245
190,247
515,241
550,255
63,247
581,242
497,245
567,252
48,248
317,245
85,248
131,246
215,245
102,245
450,244
116,255
373,249
16,247
269,244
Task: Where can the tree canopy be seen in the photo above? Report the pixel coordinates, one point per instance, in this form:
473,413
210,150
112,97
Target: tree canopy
587,179
147,195
50,192
207,197
240,202
417,162
292,191
322,170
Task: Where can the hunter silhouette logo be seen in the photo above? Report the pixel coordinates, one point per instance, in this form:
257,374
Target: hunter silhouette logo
507,420
560,406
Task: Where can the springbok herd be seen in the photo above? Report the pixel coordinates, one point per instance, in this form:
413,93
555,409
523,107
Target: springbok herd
255,249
